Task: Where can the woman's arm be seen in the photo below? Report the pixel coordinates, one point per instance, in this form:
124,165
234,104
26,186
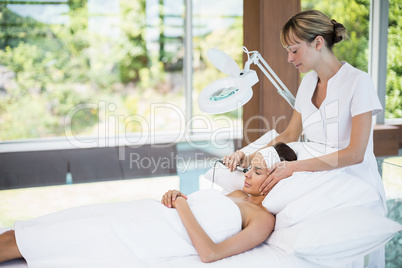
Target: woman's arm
8,247
257,230
291,133
352,154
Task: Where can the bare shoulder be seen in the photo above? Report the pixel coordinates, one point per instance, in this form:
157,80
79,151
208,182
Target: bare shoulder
269,217
263,218
260,225
264,215
237,193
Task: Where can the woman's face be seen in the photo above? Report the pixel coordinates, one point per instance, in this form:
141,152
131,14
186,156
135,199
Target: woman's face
302,55
255,176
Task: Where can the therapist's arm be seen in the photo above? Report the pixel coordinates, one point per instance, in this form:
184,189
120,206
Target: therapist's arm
291,134
292,131
258,228
352,154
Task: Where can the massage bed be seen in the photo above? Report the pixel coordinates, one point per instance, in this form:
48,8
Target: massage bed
323,219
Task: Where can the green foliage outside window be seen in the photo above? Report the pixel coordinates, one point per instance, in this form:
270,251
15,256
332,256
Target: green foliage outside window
52,68
355,16
47,69
394,64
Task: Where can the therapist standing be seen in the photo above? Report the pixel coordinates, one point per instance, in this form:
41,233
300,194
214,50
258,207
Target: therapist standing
335,104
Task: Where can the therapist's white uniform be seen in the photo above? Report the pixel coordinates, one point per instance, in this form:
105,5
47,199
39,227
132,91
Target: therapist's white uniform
350,92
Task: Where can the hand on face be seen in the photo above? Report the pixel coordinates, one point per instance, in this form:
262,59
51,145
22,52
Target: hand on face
255,176
277,172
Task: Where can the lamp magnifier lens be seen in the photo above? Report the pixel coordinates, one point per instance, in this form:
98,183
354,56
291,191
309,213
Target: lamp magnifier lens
223,93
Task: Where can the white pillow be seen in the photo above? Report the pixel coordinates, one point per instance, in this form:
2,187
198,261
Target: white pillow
306,194
231,181
304,190
336,237
307,150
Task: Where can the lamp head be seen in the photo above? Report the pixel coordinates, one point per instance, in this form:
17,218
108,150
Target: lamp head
229,93
223,62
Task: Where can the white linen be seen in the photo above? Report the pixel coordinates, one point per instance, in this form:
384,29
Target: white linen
129,234
336,237
267,255
307,195
261,256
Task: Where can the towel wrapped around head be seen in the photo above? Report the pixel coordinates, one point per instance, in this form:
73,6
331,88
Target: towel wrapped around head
270,155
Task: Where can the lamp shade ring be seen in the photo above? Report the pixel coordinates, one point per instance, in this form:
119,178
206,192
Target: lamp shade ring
225,95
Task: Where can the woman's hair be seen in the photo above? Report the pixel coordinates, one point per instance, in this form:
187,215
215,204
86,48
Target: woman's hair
285,152
309,24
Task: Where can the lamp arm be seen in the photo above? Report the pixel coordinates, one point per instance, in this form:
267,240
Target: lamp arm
257,59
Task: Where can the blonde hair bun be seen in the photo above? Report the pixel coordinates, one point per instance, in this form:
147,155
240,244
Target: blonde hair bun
339,31
309,24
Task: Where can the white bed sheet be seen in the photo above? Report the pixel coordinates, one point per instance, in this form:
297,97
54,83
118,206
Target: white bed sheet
268,255
263,255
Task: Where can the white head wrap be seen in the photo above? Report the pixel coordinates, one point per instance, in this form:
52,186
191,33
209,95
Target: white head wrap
270,156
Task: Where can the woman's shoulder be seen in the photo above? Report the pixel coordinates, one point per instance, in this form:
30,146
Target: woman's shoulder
310,77
355,74
308,82
237,193
356,80
263,218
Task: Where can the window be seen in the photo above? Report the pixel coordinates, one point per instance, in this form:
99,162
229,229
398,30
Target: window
92,69
393,99
219,27
355,16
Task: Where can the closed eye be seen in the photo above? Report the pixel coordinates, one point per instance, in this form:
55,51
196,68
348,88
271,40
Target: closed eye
257,170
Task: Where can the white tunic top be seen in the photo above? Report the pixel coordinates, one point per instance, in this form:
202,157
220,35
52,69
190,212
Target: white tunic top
350,92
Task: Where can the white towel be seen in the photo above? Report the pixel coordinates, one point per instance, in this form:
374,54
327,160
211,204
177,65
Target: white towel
129,234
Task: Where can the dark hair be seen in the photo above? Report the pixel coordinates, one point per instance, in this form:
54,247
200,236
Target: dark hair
285,152
309,24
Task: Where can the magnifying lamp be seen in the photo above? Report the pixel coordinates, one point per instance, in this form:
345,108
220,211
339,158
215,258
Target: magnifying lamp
230,93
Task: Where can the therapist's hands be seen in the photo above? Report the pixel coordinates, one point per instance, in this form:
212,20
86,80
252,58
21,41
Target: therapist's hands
169,198
238,158
277,172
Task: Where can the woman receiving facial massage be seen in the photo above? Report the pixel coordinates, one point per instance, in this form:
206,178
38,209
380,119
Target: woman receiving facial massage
135,234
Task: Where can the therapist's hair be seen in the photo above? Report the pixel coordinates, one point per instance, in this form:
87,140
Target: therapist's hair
309,24
285,152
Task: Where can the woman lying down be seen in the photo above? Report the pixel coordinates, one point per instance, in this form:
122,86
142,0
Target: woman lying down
139,233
